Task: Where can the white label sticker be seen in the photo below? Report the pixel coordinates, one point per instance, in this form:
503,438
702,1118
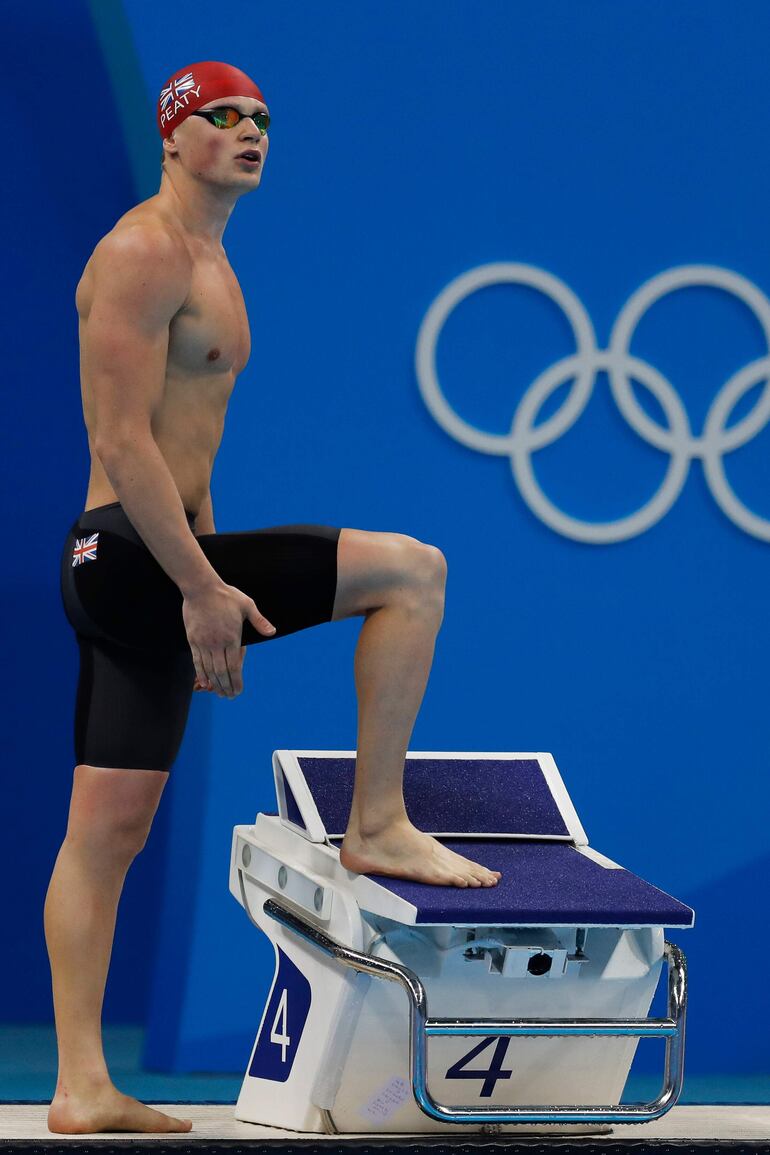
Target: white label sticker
382,1105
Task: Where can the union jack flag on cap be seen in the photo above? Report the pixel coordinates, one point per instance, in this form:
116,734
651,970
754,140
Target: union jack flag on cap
184,84
85,549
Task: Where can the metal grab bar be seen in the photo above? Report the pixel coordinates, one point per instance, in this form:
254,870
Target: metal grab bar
420,1027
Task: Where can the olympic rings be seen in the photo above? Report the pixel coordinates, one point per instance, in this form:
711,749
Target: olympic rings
621,367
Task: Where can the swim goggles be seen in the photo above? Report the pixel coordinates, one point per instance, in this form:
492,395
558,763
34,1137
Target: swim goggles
227,117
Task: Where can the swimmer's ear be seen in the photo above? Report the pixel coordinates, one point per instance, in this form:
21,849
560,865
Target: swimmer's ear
173,149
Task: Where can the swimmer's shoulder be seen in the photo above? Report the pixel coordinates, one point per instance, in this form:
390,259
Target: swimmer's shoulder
142,237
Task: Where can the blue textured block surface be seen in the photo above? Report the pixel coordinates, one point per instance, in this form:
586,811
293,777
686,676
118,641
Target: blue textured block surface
547,883
452,795
292,809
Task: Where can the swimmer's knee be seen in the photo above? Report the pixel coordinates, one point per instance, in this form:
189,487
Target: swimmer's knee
439,562
112,810
423,571
427,562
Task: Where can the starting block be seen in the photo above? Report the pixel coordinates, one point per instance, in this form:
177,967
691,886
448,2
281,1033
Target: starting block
520,1004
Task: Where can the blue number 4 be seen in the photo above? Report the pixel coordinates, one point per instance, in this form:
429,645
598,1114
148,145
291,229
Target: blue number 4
491,1076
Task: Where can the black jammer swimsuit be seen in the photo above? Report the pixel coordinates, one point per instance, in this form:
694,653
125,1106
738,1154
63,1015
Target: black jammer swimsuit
136,668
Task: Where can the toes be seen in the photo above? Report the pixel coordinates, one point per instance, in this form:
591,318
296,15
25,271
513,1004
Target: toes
179,1124
474,872
480,874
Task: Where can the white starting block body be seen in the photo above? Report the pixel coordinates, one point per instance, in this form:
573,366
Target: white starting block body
379,980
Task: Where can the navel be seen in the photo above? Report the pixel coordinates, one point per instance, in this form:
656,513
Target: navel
213,355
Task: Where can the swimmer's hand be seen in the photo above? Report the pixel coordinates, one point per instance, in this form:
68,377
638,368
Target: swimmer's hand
213,618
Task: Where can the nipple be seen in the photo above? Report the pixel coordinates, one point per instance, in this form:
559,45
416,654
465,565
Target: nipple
213,355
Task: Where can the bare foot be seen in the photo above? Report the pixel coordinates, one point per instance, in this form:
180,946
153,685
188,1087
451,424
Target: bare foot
403,851
106,1109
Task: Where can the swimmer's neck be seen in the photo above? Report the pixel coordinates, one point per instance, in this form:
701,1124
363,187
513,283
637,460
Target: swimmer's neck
201,209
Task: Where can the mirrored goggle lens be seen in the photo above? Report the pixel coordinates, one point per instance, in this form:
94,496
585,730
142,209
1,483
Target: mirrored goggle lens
229,117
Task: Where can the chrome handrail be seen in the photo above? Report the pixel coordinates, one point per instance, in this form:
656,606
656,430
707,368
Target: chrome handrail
421,1027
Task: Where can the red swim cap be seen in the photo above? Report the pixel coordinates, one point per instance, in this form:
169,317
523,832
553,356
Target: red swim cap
197,84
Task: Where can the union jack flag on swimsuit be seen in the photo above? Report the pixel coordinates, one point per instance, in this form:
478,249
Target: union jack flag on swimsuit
85,549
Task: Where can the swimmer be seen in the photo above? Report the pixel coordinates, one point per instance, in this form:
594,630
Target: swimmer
162,605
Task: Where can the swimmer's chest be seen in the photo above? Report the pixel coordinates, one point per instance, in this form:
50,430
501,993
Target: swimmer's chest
211,333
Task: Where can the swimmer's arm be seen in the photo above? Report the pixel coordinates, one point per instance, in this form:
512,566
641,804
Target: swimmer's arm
204,522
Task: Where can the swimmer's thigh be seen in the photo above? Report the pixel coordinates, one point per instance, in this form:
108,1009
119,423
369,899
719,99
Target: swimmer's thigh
132,705
290,571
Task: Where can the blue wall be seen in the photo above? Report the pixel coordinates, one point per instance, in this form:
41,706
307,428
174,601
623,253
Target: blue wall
600,144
